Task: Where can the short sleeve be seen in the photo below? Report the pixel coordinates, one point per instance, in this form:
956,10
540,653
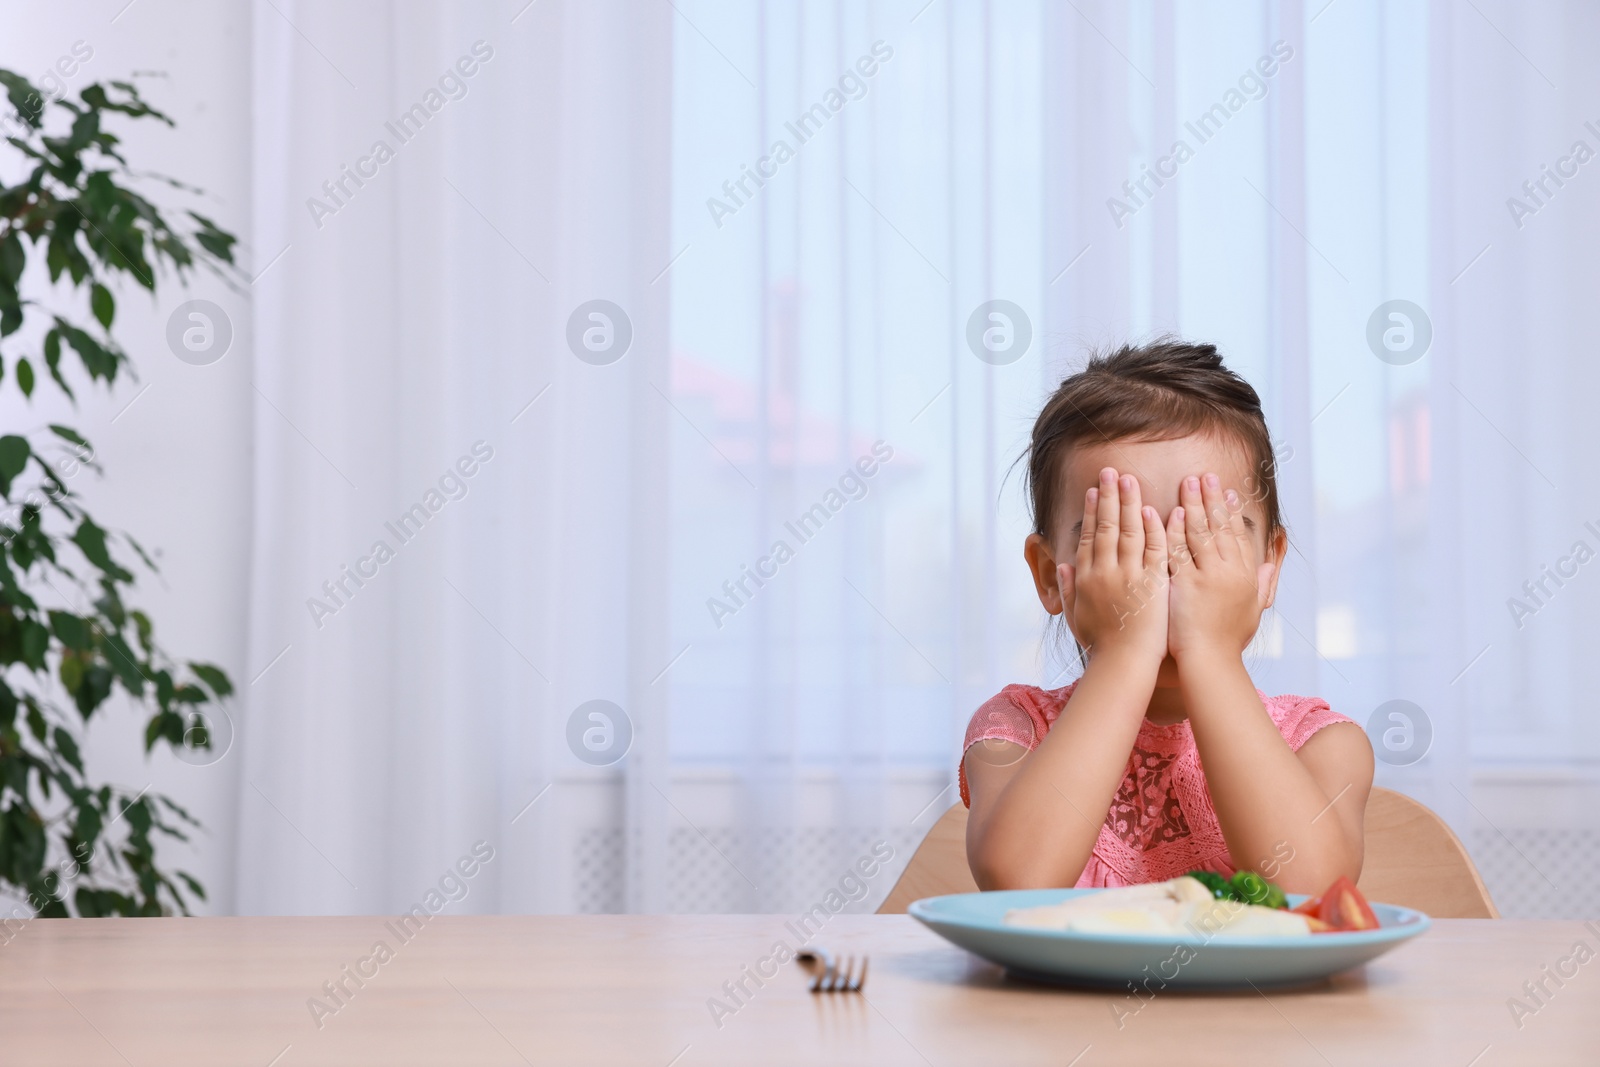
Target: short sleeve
1014,714
1300,718
1002,718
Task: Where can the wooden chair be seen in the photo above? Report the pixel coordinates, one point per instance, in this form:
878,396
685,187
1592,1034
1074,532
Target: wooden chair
1412,859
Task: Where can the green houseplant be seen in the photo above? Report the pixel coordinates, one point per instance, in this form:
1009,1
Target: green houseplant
68,638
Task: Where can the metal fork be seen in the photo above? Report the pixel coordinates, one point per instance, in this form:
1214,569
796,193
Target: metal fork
833,978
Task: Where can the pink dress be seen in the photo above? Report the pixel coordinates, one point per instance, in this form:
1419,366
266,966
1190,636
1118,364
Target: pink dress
1161,822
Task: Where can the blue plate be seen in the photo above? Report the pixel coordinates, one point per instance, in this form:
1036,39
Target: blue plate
975,921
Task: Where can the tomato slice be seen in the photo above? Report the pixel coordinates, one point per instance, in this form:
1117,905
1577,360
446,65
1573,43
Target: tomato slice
1309,906
1344,908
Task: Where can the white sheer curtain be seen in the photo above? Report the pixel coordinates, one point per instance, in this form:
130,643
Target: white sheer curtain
421,326
791,709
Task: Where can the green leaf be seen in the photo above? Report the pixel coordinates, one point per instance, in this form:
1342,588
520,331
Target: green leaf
141,623
110,606
138,813
73,630
163,688
52,908
71,671
14,453
197,734
87,831
68,749
25,376
55,256
12,258
35,642
93,690
120,658
143,555
178,810
91,540
84,130
153,730
67,433
215,680
98,360
52,360
213,238
25,99
16,776
100,302
91,903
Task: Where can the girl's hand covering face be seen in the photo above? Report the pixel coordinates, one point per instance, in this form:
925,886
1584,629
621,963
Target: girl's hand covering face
1218,588
1114,593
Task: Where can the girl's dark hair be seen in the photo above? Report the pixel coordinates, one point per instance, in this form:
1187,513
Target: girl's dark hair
1155,392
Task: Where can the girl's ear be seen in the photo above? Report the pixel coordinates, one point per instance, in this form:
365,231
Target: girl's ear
1047,577
1268,573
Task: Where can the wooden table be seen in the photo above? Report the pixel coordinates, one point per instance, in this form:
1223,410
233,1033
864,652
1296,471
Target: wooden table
636,990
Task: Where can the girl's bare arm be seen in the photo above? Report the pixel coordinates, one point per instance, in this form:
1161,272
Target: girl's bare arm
1268,797
1035,816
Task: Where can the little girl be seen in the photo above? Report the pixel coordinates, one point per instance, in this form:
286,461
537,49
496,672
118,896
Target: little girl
1157,538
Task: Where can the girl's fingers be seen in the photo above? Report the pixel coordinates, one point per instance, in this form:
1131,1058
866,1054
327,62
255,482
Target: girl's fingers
1216,511
1067,578
1155,539
1086,527
1177,547
1131,537
1197,532
1105,530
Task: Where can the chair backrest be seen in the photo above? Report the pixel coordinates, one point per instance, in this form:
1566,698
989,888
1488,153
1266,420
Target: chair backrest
1412,859
938,867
